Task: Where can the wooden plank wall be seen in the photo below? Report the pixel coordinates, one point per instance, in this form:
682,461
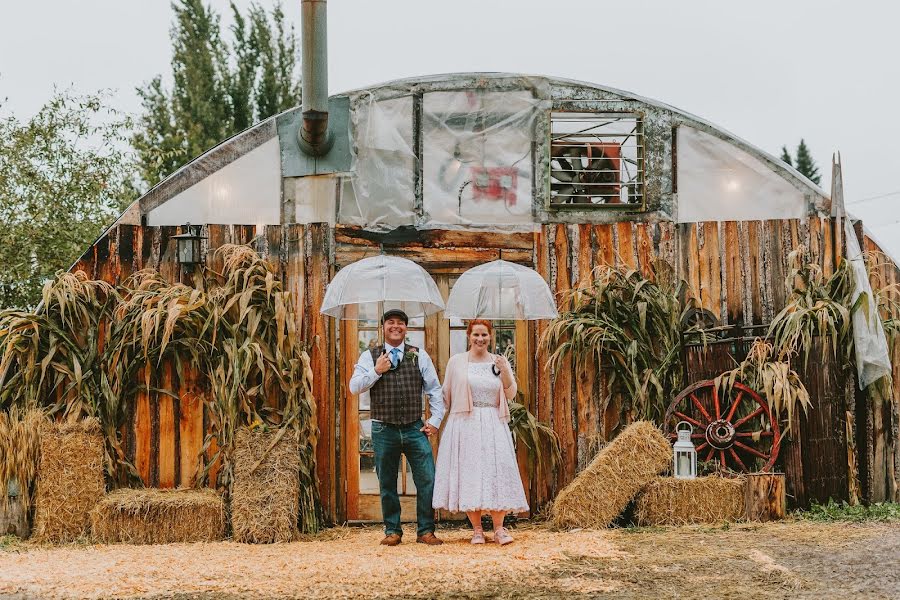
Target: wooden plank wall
881,426
736,269
166,436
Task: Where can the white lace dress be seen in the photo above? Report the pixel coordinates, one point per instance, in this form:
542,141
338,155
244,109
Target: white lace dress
476,463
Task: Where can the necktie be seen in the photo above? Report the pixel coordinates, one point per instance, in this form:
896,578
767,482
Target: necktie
395,357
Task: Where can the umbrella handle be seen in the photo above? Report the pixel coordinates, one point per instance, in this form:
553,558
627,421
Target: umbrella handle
495,370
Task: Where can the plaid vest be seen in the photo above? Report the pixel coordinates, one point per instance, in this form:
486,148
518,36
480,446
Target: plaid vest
396,397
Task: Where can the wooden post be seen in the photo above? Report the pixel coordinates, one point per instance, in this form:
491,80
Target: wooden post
764,497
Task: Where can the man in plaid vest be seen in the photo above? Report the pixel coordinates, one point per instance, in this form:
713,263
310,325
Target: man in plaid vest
396,376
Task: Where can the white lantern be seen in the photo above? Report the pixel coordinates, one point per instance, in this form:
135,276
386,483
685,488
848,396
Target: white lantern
685,459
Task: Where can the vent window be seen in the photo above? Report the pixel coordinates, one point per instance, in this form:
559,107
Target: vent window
596,160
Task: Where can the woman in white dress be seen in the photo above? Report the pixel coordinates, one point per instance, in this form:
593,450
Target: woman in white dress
476,467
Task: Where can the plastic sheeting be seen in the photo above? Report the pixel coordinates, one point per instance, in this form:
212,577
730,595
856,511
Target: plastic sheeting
717,181
314,197
383,164
245,191
477,166
870,344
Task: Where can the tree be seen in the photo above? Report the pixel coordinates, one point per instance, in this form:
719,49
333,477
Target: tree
804,162
786,156
218,89
64,176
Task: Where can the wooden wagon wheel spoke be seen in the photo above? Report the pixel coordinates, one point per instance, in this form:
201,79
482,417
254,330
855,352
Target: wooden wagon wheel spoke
753,451
700,408
734,406
684,417
716,425
752,415
715,395
737,459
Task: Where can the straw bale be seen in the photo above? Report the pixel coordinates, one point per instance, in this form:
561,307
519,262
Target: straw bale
670,501
154,516
265,501
70,479
602,491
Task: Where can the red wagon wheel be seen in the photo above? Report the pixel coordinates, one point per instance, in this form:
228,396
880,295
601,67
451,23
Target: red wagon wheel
737,431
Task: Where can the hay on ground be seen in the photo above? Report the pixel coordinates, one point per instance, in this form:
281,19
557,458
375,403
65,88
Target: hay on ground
602,491
670,501
153,516
266,489
70,480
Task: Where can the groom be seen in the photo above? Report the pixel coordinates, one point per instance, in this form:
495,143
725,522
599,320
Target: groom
396,376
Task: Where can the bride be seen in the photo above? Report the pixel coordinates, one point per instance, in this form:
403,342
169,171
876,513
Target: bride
476,467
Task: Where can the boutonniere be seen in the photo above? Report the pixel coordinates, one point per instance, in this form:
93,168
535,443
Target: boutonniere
410,354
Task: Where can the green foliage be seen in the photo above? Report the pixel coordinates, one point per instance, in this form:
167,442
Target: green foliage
786,156
218,89
834,511
63,179
803,162
630,326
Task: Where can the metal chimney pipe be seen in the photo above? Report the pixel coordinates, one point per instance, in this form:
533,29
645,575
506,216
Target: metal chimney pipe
314,136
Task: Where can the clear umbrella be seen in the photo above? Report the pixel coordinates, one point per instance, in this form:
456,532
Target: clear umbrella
366,288
501,290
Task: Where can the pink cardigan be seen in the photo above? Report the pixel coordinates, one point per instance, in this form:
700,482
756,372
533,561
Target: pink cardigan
456,386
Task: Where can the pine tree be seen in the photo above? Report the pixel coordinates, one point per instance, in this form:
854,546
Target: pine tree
786,156
219,89
806,165
804,162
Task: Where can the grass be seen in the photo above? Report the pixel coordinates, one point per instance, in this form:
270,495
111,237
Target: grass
841,511
10,543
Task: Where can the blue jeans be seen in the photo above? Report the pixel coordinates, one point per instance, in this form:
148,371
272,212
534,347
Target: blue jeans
390,441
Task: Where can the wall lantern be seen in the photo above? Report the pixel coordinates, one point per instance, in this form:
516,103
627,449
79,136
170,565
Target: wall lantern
189,253
685,459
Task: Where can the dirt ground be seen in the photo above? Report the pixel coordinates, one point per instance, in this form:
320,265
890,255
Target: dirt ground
795,559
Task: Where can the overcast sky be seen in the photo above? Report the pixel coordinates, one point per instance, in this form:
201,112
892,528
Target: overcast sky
769,71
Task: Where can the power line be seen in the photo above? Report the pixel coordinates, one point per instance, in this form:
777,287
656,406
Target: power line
880,196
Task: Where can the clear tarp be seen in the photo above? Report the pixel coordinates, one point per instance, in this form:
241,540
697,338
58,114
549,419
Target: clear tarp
477,166
384,162
245,191
870,344
717,181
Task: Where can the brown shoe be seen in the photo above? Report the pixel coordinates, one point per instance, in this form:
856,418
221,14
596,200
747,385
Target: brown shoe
430,539
391,539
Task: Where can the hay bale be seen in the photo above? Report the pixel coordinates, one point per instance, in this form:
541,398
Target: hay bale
670,501
266,489
153,516
602,491
70,480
